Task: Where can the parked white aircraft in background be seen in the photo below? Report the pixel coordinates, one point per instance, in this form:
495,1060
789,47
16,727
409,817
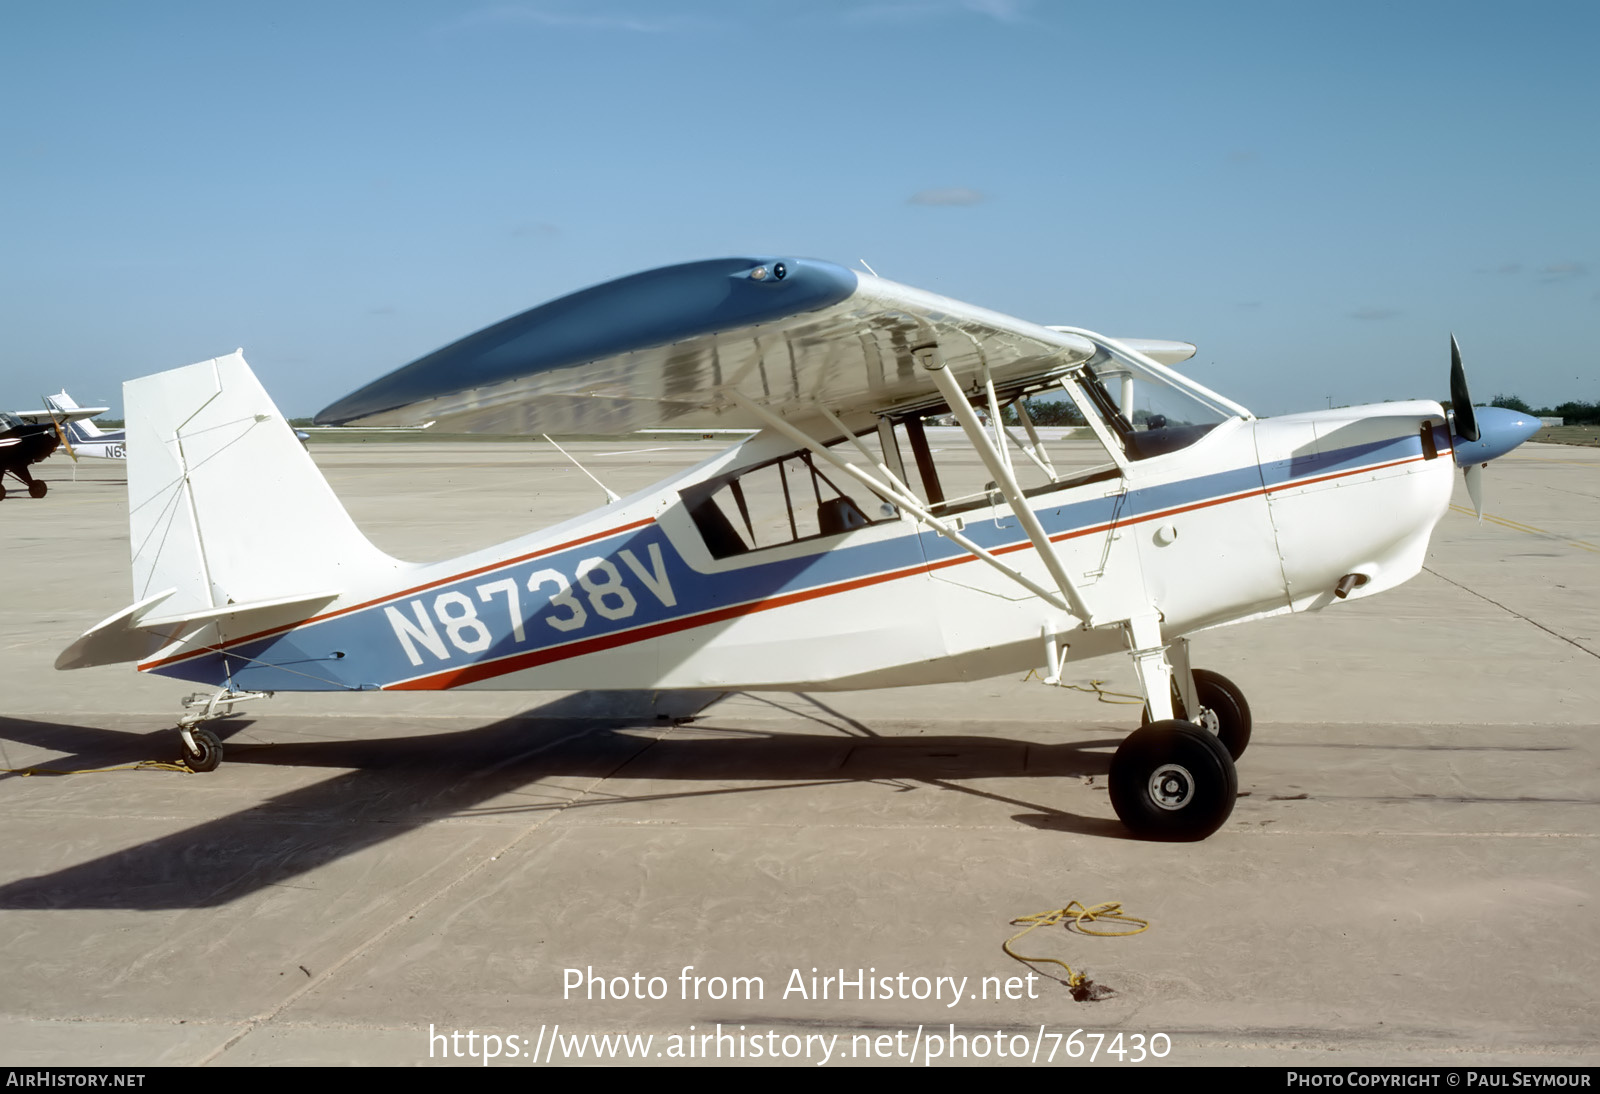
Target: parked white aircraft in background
83,436
834,549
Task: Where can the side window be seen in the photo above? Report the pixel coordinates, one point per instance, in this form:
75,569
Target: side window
786,501
1046,443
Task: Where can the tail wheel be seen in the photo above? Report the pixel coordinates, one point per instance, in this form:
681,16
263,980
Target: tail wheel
1173,781
1223,710
206,754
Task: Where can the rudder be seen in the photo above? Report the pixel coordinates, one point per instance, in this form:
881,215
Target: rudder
225,506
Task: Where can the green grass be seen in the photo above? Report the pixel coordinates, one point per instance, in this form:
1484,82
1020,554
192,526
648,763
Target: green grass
1570,434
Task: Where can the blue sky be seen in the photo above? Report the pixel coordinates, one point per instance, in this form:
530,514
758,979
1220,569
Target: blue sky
1316,195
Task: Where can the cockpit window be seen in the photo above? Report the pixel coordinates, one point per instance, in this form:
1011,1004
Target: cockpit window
1050,435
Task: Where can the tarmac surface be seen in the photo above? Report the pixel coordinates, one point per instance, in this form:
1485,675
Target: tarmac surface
1409,876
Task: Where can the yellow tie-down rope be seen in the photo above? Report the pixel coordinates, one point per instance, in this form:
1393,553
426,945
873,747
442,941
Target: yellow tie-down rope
1093,687
1075,917
142,765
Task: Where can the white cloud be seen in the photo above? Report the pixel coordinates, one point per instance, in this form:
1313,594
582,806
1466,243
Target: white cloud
947,195
539,16
1001,11
1562,271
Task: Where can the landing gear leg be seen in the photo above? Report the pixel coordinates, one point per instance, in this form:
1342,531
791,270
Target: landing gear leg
1217,704
37,488
202,749
1170,779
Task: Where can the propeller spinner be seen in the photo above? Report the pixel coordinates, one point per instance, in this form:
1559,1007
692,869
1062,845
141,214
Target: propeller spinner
1480,434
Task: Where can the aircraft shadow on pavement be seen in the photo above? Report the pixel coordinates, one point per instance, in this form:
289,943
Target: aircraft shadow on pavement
393,785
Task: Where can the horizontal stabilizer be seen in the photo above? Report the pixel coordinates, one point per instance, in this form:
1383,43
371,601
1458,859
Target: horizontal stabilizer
138,631
113,640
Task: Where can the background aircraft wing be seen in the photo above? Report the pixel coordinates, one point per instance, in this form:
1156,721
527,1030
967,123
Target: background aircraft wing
45,417
664,348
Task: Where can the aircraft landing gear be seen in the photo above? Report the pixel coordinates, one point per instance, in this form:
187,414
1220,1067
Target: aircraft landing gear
38,488
202,749
1223,710
1173,780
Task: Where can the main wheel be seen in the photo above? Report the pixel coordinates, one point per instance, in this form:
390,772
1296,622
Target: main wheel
209,754
1223,710
38,488
1173,781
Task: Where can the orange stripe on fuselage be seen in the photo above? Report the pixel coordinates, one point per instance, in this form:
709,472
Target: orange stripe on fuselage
485,670
579,542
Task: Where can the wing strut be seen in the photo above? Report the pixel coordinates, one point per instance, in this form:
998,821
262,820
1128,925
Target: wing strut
900,497
933,362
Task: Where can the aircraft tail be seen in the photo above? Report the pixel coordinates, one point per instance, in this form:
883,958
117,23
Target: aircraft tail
79,431
225,505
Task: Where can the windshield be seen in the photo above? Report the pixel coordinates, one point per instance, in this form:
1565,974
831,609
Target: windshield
1143,410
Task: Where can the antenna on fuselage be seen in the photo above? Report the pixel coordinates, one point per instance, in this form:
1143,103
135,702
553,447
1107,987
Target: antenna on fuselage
609,495
869,269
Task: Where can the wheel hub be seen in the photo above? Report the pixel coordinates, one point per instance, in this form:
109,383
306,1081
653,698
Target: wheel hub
1171,787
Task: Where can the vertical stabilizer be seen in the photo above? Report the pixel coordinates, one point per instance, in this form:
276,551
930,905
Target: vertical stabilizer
225,506
81,430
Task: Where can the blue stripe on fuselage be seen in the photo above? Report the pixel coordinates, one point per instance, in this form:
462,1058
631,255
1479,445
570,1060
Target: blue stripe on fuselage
367,648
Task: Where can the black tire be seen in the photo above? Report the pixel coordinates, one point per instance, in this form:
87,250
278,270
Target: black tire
2,491
38,488
210,754
1173,781
1223,710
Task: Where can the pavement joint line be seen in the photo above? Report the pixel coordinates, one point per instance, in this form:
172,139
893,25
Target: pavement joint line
323,976
1513,611
1402,833
1529,528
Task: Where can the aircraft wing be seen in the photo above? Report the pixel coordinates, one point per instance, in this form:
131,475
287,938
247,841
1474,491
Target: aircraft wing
665,348
44,417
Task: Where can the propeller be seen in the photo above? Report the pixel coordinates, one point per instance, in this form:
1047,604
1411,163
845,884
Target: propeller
1480,434
61,434
1466,424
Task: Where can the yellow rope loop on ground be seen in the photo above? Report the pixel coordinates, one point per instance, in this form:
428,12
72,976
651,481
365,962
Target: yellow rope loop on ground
143,765
1073,917
1093,687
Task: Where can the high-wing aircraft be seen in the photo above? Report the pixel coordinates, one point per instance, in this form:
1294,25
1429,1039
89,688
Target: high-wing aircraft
31,436
836,548
86,438
23,443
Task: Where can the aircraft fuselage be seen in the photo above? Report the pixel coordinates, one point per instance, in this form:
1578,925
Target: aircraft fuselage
1257,518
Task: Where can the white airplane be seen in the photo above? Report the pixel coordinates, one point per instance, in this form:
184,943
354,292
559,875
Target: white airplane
83,436
32,436
834,549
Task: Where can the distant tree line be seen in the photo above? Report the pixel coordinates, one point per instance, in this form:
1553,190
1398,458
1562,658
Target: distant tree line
1047,412
1574,413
